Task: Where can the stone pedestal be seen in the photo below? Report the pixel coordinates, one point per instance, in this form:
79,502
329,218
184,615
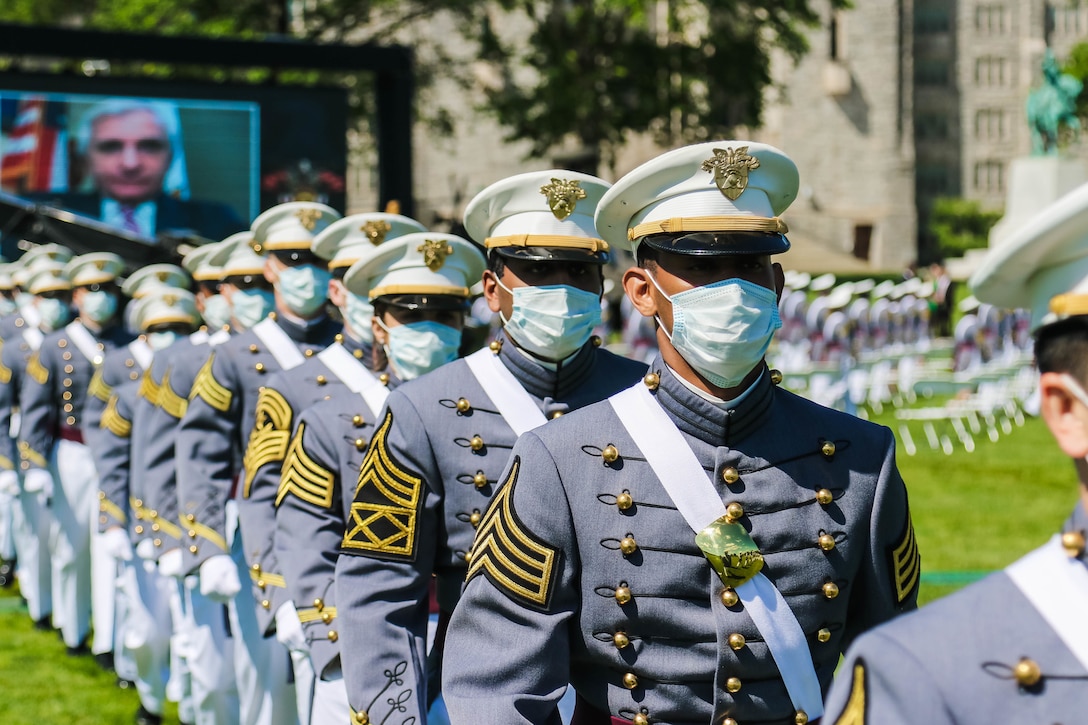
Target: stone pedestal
1034,183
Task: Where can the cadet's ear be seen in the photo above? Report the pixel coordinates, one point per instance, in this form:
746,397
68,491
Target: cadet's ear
491,290
779,279
272,269
640,290
1065,415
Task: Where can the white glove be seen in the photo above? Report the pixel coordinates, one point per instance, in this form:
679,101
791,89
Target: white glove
9,483
289,629
219,578
116,544
145,549
39,480
170,563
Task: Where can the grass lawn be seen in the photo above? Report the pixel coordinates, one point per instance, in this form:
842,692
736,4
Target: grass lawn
973,513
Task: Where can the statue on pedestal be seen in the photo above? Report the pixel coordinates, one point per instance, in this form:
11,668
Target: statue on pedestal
1053,106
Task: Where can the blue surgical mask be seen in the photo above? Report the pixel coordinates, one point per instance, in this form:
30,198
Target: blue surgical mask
250,306
24,299
358,314
552,321
420,347
161,340
99,306
217,311
723,329
54,313
304,288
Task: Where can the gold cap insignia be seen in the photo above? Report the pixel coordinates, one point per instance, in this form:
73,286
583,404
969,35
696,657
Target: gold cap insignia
308,217
100,264
171,300
57,273
375,231
435,252
163,276
730,167
562,196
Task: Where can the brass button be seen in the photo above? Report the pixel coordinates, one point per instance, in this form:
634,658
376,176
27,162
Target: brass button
495,346
652,380
628,545
824,635
620,639
321,380
623,594
66,355
154,527
831,590
101,495
326,617
157,542
138,503
133,375
557,414
192,549
358,354
1073,543
610,454
384,378
319,605
68,408
630,681
361,718
596,340
360,444
730,475
69,369
732,685
776,376
190,518
479,480
259,367
256,568
357,421
139,529
130,362
827,542
474,518
333,636
102,519
96,360
67,382
828,449
730,597
253,349
824,497
463,406
736,641
477,443
800,718
1027,672
640,719
266,604
192,533
308,352
261,584
729,721
66,395
624,501
734,511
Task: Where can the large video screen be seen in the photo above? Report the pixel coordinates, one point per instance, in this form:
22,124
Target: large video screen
151,158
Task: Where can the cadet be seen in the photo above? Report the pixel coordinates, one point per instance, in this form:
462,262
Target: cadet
701,546
9,479
54,458
1010,648
221,412
444,438
418,282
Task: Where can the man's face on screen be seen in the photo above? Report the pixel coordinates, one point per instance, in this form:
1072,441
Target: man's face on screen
129,154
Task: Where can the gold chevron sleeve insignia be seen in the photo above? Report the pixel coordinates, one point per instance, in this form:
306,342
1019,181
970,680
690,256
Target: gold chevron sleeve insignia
304,477
35,370
270,436
382,520
149,390
175,405
854,712
98,387
508,554
906,563
114,422
207,387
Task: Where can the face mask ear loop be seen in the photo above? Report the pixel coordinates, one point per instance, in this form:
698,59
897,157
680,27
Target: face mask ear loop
661,324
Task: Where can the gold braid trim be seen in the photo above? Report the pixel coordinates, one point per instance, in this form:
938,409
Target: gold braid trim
167,527
6,464
854,712
326,615
114,422
559,241
149,391
1069,304
207,532
29,454
709,224
270,436
5,371
35,370
173,404
304,477
98,387
207,387
906,563
264,578
111,509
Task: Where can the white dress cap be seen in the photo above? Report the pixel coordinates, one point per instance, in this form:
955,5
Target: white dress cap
94,268
291,226
48,276
236,256
166,305
550,209
198,263
717,186
161,275
823,282
6,270
345,241
426,263
53,252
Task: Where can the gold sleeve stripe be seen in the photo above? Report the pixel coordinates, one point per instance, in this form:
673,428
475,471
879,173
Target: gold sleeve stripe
512,558
138,509
111,509
207,387
382,520
270,579
98,387
5,371
170,529
174,404
270,436
854,712
325,615
149,391
29,454
114,422
207,532
35,370
304,477
906,563
6,464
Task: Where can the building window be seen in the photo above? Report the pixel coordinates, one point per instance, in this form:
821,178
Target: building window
991,70
930,18
991,19
1070,22
931,72
863,237
837,50
931,127
990,125
990,176
934,180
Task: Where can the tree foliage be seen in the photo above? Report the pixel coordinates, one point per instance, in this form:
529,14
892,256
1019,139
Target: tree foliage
960,224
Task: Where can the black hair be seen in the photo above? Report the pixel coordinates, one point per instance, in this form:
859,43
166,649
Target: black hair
496,263
1062,347
646,256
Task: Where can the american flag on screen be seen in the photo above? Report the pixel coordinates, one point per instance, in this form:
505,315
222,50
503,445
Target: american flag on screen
34,146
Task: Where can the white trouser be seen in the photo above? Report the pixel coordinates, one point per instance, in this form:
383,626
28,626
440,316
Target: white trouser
74,494
330,699
33,524
303,668
8,504
179,688
147,628
209,650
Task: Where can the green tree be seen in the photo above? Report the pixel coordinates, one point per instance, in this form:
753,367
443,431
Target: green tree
1076,65
602,69
960,224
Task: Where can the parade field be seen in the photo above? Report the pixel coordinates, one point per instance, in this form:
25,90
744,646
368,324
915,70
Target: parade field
973,513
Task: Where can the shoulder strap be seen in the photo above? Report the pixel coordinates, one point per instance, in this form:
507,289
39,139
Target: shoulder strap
687,484
199,337
142,352
374,395
33,337
343,365
282,347
514,403
84,341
